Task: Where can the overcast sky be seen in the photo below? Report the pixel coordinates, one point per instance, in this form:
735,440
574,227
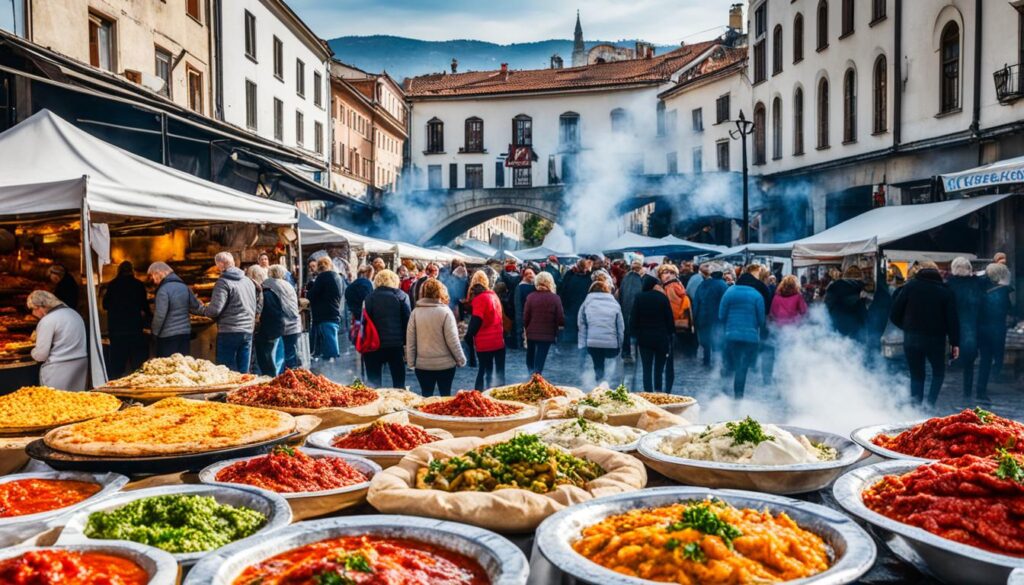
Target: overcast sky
512,21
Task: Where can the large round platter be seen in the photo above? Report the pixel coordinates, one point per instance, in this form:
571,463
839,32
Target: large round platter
571,393
325,440
863,436
676,408
949,561
540,425
159,565
310,504
465,426
854,550
504,563
272,506
154,393
774,479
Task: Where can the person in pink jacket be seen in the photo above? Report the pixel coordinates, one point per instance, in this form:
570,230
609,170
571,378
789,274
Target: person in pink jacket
788,305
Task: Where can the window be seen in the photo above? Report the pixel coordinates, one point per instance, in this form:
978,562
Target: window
672,163
761,20
798,121
300,128
522,177
474,176
760,142
620,121
660,117
698,120
162,68
722,109
698,160
880,82
760,63
777,50
877,10
671,121
278,119
278,59
949,91
101,42
823,113
250,35
776,129
250,105
722,154
522,130
822,25
318,137
318,89
193,9
435,136
850,106
499,174
341,155
798,38
434,177
453,176
474,135
195,89
569,131
300,78
847,24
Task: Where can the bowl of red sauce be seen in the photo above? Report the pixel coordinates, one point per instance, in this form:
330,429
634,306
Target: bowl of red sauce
382,442
313,481
124,563
379,549
969,432
470,413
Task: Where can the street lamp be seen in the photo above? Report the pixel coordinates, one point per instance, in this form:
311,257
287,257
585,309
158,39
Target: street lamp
743,129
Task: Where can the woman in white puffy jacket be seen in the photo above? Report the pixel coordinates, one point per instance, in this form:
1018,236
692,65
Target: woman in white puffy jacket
601,326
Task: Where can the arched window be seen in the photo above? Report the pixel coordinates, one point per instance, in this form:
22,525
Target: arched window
776,128
777,50
949,75
474,135
522,130
823,113
850,106
798,38
847,20
759,137
822,24
435,135
621,123
879,90
569,131
798,121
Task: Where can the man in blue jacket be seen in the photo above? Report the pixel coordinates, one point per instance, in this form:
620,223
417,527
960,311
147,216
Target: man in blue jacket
706,302
742,315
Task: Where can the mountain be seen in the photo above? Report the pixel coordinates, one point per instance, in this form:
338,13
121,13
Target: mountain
403,57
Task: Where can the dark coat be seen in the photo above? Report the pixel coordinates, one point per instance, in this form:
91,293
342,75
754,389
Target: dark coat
652,322
523,290
542,316
927,307
174,301
271,325
67,291
573,290
709,299
325,297
846,307
995,307
126,305
389,309
968,296
747,279
631,286
356,293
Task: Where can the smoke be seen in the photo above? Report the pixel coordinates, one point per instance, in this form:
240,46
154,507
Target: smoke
409,213
822,380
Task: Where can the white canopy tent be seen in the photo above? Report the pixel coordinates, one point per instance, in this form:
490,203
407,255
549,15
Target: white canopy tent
631,242
318,233
48,165
1002,172
781,250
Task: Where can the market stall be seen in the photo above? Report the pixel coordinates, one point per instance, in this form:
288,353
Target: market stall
670,246
339,243
62,190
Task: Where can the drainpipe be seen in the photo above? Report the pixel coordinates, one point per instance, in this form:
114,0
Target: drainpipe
976,106
218,61
897,99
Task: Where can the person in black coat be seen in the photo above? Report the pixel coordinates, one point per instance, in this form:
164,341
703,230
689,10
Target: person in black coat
995,307
270,328
968,292
653,326
64,286
325,305
389,310
573,291
128,313
844,300
926,312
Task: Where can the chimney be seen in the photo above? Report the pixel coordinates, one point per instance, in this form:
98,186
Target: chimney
556,61
455,65
504,71
644,50
736,17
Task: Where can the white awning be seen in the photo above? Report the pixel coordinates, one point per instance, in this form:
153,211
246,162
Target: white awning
631,242
1003,172
318,233
780,250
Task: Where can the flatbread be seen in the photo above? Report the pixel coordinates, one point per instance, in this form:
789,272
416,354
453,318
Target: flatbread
171,426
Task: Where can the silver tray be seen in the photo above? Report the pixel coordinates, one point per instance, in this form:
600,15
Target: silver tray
949,561
158,564
536,427
863,436
853,548
504,563
324,440
776,479
367,467
271,505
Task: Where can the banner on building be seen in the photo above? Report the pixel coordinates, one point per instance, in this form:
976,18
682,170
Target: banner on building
519,157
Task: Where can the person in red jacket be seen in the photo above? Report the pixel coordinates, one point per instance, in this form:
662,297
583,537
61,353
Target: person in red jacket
486,334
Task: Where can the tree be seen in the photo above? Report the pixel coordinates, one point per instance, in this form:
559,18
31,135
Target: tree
534,230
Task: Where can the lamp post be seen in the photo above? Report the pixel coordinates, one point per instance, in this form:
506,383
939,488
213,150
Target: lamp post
743,129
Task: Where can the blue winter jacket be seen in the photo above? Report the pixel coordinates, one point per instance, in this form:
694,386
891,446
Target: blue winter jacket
742,314
708,300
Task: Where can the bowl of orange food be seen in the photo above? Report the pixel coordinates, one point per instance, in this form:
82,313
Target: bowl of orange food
689,534
356,549
121,562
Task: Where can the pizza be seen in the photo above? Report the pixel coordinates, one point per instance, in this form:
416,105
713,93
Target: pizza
39,406
171,426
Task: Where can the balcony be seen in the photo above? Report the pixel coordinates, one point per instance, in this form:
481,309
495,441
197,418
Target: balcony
1009,85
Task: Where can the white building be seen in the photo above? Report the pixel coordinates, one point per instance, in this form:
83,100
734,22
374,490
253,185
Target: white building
273,75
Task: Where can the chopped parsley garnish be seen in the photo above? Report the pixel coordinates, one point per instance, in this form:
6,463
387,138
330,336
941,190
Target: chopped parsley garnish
983,415
692,551
747,430
700,517
284,450
333,578
672,544
357,562
357,384
583,424
620,394
1009,468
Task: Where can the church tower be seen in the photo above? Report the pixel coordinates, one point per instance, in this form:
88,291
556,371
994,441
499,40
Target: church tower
579,52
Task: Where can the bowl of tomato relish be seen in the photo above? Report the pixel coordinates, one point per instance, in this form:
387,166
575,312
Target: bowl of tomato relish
382,442
121,562
379,549
29,500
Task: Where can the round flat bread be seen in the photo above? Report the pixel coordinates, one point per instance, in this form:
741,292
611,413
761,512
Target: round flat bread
171,426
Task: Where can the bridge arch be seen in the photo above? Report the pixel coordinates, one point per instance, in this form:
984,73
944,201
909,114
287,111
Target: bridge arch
462,209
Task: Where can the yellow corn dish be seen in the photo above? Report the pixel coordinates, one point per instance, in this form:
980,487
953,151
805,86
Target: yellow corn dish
39,406
704,543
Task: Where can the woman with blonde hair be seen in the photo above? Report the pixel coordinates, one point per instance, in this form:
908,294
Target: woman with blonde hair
542,317
432,340
486,333
60,342
788,305
388,308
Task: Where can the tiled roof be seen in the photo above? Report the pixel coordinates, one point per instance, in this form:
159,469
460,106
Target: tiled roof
720,60
635,71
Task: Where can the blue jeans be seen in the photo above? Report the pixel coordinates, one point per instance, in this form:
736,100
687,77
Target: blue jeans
290,346
234,350
742,355
266,355
328,335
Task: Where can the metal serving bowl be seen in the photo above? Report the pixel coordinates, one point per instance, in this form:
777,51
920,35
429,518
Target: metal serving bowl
775,479
538,426
160,565
17,528
853,550
325,440
947,560
504,563
271,505
863,436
